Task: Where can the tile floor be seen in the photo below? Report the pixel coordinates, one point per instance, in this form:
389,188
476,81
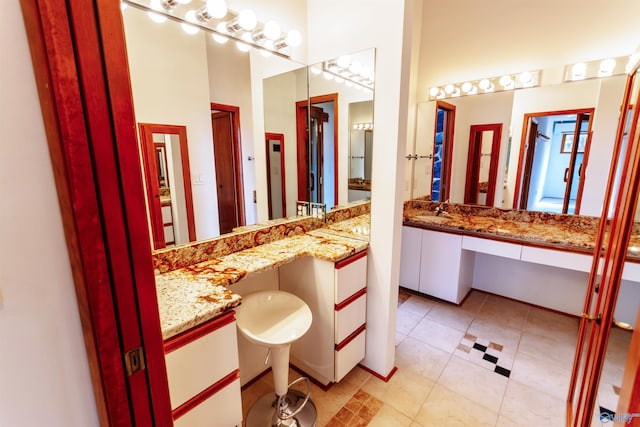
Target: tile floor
489,362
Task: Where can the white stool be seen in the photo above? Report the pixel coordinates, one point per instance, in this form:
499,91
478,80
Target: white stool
275,319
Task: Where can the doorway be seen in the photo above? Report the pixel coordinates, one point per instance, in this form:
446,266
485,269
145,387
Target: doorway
225,125
317,147
276,183
552,166
442,151
482,164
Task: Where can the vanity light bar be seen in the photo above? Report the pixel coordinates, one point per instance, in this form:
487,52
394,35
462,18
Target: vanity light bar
523,80
599,68
242,27
363,126
349,73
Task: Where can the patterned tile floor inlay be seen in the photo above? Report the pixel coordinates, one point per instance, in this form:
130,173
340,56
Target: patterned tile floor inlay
489,352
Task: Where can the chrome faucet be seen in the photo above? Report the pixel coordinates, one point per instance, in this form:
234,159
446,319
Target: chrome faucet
440,208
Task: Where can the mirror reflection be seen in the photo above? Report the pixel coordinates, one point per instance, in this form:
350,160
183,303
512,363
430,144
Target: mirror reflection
482,164
249,161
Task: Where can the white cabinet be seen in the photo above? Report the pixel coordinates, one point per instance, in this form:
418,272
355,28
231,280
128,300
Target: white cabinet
202,371
434,263
410,258
336,295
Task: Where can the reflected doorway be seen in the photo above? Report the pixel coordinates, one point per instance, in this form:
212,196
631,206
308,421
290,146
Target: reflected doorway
165,157
552,165
225,125
482,164
442,151
276,188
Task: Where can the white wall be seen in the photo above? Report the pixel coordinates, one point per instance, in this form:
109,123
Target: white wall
170,85
44,373
354,26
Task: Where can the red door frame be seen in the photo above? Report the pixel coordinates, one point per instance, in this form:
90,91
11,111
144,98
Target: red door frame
447,148
473,162
153,190
79,57
237,156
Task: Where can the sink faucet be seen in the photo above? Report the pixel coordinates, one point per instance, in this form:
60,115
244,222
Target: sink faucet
440,208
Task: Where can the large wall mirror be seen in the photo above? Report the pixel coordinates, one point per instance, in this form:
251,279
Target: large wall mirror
240,112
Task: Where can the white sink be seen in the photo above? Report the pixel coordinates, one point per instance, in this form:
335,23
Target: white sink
433,218
273,318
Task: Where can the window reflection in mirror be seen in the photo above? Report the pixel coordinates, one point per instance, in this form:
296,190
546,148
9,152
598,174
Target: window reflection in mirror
442,151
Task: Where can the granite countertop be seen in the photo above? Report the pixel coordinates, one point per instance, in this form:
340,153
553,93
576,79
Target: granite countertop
564,232
193,294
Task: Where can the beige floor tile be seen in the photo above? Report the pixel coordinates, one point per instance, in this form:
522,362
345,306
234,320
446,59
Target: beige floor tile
405,391
503,312
406,320
388,416
399,338
548,348
252,393
443,407
541,374
418,305
420,358
542,322
450,315
530,407
477,384
437,335
357,376
473,301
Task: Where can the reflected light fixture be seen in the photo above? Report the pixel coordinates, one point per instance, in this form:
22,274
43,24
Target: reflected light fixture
596,69
213,16
505,82
351,73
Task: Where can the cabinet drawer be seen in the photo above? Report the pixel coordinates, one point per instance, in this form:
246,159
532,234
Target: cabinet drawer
224,408
350,317
491,247
350,276
568,260
195,366
348,356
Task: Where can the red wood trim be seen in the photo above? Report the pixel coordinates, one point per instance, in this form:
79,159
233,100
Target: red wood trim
205,394
302,152
377,375
199,331
237,155
340,306
345,342
447,147
353,258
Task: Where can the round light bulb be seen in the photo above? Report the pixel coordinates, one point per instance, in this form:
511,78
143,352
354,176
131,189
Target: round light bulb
506,81
243,47
156,17
607,66
484,84
434,91
217,8
247,19
578,71
269,45
221,28
466,87
294,38
448,89
271,30
525,77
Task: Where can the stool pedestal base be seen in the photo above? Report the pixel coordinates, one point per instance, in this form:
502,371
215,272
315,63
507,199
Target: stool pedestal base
263,412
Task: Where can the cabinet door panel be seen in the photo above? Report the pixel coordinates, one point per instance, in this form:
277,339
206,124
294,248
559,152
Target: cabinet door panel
350,318
349,356
201,363
222,409
440,265
350,279
410,258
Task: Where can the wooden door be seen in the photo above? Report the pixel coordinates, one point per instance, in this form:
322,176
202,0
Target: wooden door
226,165
477,152
276,182
530,148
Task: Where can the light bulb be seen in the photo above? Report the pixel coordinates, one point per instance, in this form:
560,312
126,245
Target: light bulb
271,30
156,17
466,87
294,38
434,91
606,67
484,84
327,76
525,78
448,89
247,19
243,47
221,28
217,8
506,81
268,44
578,71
